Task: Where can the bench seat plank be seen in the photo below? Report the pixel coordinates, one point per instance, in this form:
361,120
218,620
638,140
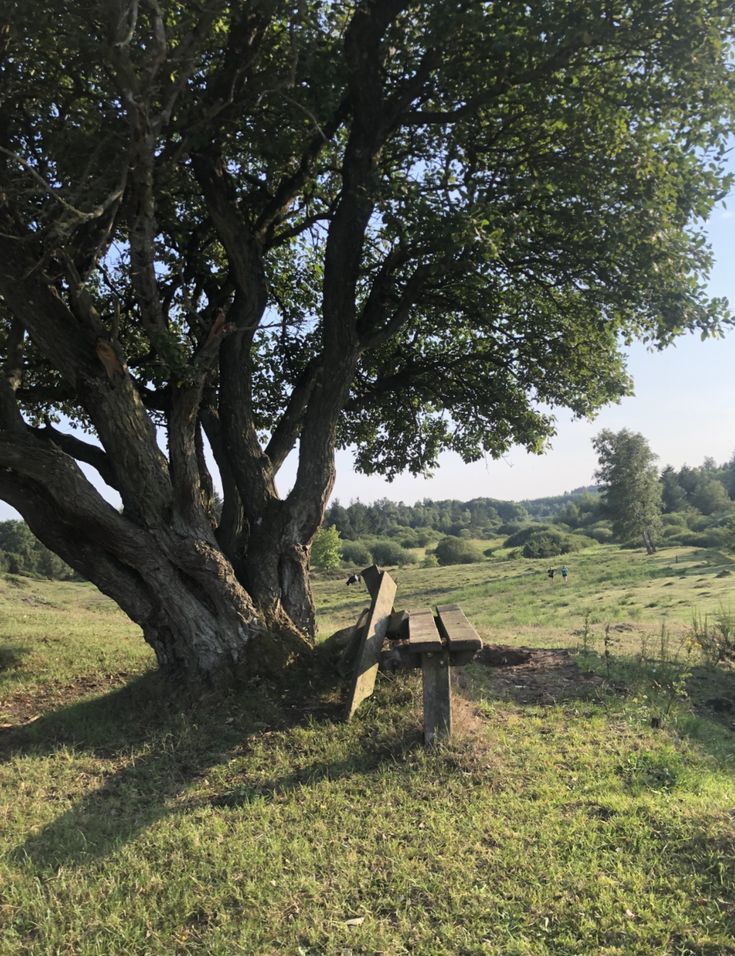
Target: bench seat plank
423,636
456,629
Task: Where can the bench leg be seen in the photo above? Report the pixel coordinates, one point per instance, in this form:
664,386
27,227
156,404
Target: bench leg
437,696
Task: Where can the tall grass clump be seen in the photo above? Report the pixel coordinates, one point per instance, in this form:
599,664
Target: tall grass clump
715,635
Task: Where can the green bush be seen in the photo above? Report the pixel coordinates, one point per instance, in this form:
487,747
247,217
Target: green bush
714,538
512,527
676,519
326,549
457,551
356,553
386,552
600,533
715,635
551,542
523,534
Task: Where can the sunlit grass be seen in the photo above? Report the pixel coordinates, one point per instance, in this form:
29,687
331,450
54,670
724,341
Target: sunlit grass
135,820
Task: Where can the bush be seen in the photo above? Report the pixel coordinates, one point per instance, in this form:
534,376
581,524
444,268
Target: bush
386,551
599,533
676,519
551,542
325,549
523,534
457,551
715,636
357,553
510,527
714,538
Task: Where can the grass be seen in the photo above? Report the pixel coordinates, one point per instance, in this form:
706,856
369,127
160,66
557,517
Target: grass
133,820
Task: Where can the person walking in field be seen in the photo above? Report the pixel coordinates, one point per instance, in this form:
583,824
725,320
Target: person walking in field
564,573
551,572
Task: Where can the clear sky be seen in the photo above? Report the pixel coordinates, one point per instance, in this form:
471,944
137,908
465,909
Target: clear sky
684,404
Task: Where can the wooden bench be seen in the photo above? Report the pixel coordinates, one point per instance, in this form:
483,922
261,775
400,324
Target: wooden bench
440,643
435,643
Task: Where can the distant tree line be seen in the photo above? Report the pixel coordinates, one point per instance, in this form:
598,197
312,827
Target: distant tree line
692,506
697,506
22,553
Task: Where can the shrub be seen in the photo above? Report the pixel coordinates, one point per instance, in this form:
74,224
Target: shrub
430,561
523,534
357,553
676,519
457,551
386,551
713,538
716,636
551,542
325,549
600,533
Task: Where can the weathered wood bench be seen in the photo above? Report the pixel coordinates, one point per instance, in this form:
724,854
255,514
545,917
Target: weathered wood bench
435,643
440,642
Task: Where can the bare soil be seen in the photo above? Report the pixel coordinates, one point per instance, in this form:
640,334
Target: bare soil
534,675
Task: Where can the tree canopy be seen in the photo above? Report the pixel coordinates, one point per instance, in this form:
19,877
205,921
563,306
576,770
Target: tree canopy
397,226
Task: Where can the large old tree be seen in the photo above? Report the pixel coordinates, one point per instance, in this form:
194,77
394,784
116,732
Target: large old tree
263,227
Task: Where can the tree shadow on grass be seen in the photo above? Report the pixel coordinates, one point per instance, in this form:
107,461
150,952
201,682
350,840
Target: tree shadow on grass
155,744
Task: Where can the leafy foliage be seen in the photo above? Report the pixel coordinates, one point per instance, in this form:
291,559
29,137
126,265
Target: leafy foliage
22,553
457,551
549,542
631,488
326,549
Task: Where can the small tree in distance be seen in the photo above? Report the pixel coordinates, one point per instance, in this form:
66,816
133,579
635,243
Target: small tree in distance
326,551
631,487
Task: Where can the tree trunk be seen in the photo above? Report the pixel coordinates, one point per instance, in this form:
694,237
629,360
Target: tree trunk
648,542
173,581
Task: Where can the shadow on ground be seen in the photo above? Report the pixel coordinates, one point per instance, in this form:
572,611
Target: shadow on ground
10,657
151,745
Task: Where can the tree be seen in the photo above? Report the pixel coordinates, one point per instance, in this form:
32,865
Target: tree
326,550
673,496
631,487
268,227
710,496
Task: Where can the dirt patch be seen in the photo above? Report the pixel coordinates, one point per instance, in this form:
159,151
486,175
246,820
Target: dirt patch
542,676
500,655
25,707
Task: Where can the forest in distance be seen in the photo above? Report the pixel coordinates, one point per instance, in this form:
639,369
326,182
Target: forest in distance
697,509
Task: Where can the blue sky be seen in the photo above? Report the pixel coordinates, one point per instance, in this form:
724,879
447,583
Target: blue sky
684,404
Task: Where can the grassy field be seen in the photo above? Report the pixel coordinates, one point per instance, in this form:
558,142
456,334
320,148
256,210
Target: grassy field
586,804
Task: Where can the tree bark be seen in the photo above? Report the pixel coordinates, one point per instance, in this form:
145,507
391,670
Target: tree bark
177,585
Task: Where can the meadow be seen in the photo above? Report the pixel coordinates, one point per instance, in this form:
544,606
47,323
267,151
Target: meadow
584,806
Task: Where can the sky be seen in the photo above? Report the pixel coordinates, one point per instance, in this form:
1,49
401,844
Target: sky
684,405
